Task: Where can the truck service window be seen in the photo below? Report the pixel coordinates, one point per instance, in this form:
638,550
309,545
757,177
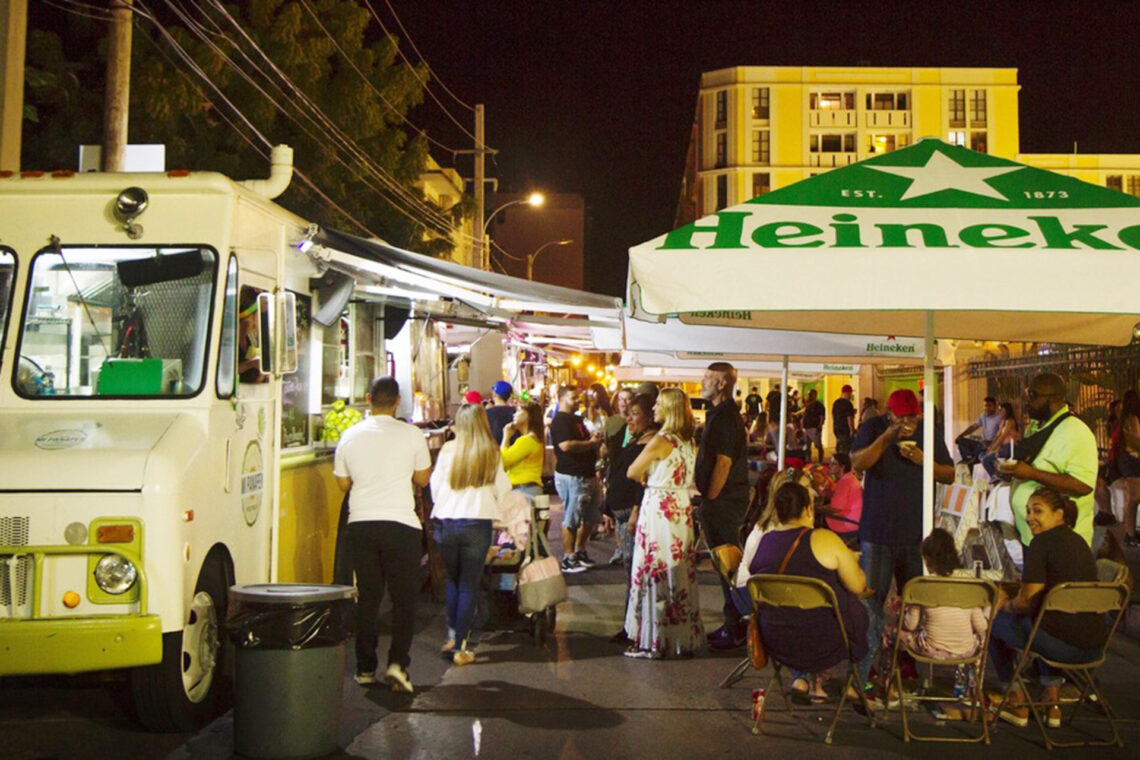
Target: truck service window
115,322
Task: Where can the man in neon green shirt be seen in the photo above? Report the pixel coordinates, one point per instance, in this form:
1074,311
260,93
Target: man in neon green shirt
1067,462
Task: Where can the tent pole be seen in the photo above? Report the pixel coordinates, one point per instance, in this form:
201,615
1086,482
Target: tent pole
930,387
782,441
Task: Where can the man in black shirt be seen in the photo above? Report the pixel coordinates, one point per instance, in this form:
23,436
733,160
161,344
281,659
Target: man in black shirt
752,404
500,413
575,454
814,416
722,479
843,420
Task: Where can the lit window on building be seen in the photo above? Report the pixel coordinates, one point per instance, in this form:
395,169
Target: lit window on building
721,191
721,149
1115,182
722,108
957,108
978,141
761,183
761,146
882,143
1134,185
978,108
957,137
832,101
760,103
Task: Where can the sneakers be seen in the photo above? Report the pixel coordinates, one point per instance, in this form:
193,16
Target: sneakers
725,638
397,678
1053,716
584,559
618,559
365,679
463,657
1017,715
1131,540
570,564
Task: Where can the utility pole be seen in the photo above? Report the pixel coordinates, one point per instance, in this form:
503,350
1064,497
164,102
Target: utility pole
117,99
480,186
13,43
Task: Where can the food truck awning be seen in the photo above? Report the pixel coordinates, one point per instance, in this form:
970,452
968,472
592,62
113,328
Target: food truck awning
382,265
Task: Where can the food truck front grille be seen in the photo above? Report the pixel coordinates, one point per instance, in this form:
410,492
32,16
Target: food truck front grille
15,575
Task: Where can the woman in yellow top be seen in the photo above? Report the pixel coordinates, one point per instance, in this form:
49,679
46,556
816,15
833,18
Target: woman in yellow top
523,459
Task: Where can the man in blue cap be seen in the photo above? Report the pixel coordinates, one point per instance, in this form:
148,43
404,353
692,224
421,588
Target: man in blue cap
500,413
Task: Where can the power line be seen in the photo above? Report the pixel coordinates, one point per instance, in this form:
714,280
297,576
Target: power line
416,50
427,89
384,100
398,196
73,7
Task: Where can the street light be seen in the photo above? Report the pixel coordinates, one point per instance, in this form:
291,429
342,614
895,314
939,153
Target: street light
534,199
531,257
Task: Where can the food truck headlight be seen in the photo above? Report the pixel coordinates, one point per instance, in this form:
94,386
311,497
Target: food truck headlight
115,574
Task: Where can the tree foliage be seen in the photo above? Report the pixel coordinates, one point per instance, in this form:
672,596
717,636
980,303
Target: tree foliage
342,84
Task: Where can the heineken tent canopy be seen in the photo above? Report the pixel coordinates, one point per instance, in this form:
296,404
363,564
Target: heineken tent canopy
987,248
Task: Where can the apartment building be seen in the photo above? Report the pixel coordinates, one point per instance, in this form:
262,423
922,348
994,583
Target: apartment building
444,188
759,128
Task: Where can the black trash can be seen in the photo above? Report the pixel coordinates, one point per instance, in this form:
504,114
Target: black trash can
289,667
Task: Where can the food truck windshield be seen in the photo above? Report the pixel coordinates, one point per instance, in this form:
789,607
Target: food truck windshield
113,322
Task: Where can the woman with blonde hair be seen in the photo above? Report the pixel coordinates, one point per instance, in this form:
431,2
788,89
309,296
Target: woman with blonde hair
663,617
466,486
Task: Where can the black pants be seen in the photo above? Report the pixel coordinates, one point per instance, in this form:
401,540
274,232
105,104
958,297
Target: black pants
385,553
720,521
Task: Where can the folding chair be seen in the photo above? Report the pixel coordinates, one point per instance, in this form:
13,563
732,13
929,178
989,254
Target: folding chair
798,592
960,593
1102,599
725,560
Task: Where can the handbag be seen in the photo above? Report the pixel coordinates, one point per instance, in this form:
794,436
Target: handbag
540,583
757,652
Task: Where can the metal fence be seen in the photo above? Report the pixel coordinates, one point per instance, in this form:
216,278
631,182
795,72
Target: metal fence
1096,376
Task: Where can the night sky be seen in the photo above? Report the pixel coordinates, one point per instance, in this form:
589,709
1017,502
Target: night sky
598,98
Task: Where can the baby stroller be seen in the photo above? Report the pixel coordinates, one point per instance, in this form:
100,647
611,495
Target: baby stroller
520,540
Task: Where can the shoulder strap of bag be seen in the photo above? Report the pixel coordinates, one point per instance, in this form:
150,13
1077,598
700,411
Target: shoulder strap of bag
1031,446
788,556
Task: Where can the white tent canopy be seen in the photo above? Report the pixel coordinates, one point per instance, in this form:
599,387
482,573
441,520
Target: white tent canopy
932,240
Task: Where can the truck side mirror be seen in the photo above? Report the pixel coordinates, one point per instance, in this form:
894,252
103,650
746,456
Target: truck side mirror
287,316
266,313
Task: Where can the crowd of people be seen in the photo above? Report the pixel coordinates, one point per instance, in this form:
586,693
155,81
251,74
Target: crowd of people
630,465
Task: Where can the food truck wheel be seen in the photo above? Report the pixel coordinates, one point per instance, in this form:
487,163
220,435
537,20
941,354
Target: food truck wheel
186,689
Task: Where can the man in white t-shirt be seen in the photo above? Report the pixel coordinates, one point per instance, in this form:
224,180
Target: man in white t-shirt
380,458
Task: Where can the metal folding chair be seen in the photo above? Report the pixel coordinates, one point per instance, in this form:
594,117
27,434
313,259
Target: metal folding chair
725,560
798,592
1072,598
960,593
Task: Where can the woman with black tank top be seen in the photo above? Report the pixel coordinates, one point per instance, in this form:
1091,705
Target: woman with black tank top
808,640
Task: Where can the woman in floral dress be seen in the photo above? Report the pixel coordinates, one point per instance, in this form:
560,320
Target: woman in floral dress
663,616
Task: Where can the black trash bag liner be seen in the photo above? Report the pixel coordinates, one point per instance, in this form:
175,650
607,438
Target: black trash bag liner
255,625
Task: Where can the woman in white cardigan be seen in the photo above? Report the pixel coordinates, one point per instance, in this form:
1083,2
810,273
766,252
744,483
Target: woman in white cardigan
466,486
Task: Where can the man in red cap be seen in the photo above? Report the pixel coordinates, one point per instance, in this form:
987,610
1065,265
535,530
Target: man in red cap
887,450
843,420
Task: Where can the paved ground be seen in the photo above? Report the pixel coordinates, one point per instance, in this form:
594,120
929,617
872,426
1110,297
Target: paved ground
575,697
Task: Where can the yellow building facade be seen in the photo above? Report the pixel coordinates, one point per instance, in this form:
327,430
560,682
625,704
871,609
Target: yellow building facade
759,128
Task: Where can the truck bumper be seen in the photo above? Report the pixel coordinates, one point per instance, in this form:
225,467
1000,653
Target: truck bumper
77,645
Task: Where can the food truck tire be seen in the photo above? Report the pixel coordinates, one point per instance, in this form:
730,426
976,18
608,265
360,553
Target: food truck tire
188,688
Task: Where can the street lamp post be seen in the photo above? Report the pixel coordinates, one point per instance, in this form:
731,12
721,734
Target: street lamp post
534,200
531,257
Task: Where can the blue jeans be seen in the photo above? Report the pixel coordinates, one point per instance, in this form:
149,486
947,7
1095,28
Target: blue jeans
881,563
463,546
1011,631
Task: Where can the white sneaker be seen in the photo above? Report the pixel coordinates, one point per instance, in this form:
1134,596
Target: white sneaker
365,679
397,678
571,565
